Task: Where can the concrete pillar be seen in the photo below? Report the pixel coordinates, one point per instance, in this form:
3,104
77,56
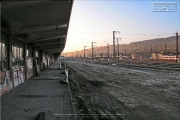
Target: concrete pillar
47,60
34,62
8,53
25,60
41,59
10,58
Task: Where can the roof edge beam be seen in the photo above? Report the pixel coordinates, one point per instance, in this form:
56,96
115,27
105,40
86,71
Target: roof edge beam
44,44
54,49
36,28
5,4
55,46
46,39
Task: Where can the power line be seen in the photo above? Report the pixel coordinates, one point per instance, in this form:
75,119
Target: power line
144,34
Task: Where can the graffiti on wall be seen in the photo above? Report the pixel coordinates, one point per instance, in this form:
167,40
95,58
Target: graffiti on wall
29,63
6,84
5,75
18,75
44,62
2,77
29,67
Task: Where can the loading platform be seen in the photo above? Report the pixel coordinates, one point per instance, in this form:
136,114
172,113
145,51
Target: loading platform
43,93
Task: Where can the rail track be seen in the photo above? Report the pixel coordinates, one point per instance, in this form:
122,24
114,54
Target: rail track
134,91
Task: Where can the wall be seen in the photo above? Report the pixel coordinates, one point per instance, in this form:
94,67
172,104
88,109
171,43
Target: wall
19,62
29,66
18,76
6,84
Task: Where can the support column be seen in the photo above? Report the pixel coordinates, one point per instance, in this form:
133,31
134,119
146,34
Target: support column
40,60
9,53
25,61
34,61
10,58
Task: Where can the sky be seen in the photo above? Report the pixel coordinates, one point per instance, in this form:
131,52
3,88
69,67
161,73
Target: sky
95,21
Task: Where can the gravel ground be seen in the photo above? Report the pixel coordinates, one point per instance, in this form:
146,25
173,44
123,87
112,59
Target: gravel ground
120,92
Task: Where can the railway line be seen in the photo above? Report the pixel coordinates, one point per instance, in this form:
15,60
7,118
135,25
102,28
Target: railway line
124,90
151,65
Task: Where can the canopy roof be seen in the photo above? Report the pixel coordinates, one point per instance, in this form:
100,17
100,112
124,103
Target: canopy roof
44,23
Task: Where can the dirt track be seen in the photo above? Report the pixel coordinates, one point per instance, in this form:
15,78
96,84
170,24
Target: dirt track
116,92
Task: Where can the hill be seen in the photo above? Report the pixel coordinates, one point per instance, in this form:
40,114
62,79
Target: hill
155,45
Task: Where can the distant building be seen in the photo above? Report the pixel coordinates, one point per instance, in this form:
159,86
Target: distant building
164,56
156,56
135,55
141,55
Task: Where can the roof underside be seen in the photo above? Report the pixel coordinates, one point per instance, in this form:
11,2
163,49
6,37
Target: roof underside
44,23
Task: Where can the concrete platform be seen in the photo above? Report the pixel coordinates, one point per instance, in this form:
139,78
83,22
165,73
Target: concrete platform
43,93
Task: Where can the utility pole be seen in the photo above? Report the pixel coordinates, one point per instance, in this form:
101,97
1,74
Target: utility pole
135,56
150,46
84,52
157,52
165,47
93,51
154,47
150,50
177,48
114,45
77,54
107,50
118,47
145,52
72,54
114,54
124,50
161,48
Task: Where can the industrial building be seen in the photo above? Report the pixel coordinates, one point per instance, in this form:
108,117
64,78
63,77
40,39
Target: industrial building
33,34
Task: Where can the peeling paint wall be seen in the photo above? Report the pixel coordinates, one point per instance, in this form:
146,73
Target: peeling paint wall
29,66
17,62
6,83
18,76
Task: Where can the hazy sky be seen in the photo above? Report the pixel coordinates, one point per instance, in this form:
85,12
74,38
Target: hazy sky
94,21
